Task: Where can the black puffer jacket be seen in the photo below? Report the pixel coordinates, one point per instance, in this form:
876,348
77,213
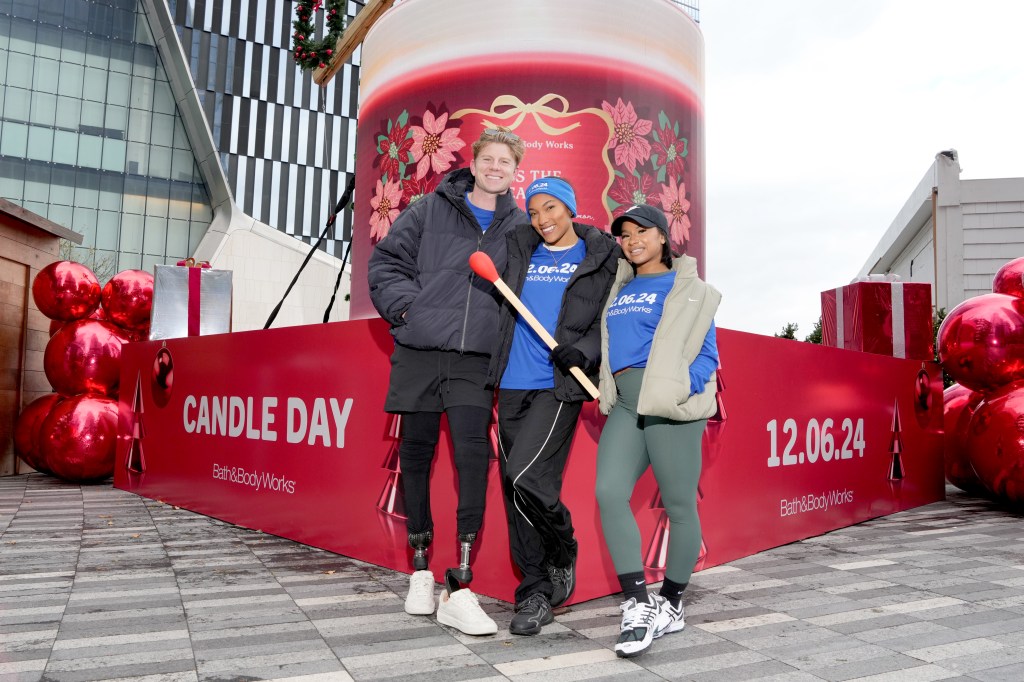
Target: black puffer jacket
421,268
579,317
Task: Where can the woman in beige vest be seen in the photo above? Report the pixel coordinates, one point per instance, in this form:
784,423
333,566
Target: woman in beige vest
658,390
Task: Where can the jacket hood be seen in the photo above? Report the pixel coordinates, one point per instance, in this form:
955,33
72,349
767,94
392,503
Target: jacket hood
458,182
683,266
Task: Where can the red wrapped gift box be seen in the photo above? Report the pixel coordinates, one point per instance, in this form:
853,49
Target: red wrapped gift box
884,317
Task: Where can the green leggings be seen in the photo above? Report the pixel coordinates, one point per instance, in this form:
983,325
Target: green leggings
629,444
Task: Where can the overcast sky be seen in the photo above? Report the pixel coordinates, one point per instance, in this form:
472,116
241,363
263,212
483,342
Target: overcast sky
822,117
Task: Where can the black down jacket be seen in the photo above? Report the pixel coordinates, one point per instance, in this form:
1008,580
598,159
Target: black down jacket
421,268
579,317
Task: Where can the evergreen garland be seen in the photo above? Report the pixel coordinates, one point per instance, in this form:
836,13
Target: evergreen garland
310,53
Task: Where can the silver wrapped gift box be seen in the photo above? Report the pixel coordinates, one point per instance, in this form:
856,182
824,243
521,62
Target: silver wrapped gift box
176,313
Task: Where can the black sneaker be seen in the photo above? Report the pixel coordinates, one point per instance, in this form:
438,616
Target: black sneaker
563,578
532,613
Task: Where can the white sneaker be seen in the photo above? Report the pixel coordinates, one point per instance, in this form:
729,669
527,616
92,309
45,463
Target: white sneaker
638,626
462,611
670,618
420,600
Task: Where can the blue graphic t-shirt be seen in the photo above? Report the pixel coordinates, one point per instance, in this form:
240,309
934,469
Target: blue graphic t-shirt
483,216
633,317
529,365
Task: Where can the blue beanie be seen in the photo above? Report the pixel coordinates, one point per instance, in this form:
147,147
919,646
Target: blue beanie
556,187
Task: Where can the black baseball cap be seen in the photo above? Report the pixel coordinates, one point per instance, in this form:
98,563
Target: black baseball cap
641,214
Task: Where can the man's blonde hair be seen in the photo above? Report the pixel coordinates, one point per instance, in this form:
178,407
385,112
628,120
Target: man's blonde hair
500,135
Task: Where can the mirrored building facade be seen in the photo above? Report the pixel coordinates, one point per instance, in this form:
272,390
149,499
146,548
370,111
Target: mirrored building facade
90,136
94,132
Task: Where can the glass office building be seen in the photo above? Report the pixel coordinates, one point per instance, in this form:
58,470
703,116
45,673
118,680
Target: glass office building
90,136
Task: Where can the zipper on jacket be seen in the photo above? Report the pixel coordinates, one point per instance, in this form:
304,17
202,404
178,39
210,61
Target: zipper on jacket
469,293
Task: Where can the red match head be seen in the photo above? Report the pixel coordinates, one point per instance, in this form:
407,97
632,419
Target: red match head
483,266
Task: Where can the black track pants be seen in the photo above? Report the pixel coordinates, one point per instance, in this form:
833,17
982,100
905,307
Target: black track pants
535,433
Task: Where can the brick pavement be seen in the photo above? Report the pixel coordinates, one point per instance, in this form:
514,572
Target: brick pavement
99,584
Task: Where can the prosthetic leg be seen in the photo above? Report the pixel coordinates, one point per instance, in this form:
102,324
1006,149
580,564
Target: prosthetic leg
420,600
419,543
458,606
457,578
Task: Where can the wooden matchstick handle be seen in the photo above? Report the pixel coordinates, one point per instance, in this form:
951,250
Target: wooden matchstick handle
525,313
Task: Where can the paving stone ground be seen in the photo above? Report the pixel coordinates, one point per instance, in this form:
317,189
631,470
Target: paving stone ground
99,584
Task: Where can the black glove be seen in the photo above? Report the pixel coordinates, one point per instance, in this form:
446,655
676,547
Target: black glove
566,356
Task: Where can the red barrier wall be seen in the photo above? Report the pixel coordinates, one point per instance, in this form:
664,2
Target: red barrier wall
282,430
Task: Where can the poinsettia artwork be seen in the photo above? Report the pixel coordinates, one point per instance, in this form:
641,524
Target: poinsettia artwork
646,157
412,155
434,144
630,190
630,145
649,164
675,205
395,147
386,204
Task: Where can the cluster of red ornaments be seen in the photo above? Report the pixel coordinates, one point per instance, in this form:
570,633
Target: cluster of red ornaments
72,432
981,345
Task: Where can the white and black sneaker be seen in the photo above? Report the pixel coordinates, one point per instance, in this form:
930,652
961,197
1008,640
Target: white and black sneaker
638,627
670,618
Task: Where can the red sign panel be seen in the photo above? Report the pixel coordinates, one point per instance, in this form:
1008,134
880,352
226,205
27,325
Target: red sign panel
283,430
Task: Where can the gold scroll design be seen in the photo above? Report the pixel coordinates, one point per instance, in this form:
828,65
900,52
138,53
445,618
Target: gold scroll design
505,106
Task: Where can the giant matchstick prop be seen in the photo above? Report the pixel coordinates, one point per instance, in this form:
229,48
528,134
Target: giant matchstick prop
484,266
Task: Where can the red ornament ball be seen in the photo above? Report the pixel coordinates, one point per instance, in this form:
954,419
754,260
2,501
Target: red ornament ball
960,404
128,298
995,443
1009,279
27,444
79,438
162,377
85,357
97,314
66,291
137,334
981,341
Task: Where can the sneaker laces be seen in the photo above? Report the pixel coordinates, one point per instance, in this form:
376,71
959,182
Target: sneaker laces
535,601
638,615
421,587
467,596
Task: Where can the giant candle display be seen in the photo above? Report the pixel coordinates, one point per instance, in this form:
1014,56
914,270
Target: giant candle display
605,94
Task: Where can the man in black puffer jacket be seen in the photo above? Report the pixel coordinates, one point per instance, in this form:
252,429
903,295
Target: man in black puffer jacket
444,320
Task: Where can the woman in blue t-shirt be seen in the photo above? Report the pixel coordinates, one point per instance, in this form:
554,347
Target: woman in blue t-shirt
658,390
562,270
